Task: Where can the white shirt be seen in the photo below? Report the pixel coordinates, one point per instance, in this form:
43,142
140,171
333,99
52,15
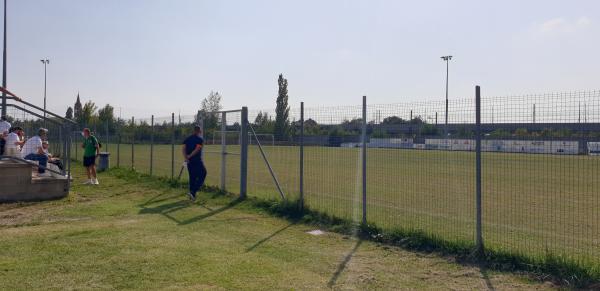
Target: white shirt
4,126
32,145
11,141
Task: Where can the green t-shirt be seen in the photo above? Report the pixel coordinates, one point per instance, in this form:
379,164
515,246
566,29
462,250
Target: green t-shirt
89,146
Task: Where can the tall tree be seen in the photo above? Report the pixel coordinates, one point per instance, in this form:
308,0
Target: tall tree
106,117
282,111
69,114
77,109
88,113
209,105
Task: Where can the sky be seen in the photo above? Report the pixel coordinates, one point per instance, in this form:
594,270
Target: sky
149,57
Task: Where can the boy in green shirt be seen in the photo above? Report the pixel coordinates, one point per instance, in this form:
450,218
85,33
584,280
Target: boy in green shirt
91,149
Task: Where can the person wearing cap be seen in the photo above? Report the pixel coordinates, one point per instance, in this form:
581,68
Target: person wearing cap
4,131
33,150
14,142
91,150
192,154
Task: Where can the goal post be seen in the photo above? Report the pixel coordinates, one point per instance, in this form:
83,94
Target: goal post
266,139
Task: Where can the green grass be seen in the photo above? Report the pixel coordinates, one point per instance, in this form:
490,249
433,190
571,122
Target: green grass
135,232
533,205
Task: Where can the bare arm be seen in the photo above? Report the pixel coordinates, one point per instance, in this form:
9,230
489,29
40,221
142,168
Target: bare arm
196,150
183,152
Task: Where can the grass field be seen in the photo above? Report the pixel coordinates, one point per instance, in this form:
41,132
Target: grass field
532,204
132,232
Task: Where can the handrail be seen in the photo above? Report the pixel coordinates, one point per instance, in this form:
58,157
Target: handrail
31,163
19,99
33,113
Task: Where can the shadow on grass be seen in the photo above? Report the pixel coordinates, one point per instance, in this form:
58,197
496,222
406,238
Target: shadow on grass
260,242
167,209
486,278
343,264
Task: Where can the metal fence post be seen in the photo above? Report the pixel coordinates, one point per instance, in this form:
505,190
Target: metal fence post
301,156
479,236
244,154
119,150
107,137
76,149
132,143
172,145
151,144
223,149
364,160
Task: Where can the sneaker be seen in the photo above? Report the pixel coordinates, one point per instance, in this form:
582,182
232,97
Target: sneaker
45,174
192,197
95,182
88,182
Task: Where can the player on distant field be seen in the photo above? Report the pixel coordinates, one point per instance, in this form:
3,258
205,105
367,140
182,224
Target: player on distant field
192,153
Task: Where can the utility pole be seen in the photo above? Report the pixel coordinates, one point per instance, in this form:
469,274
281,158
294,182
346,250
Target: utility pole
45,62
447,60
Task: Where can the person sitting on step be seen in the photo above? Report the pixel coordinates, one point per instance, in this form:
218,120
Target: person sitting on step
52,159
14,142
33,150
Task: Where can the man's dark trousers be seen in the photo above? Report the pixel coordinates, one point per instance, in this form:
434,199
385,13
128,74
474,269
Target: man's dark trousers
197,173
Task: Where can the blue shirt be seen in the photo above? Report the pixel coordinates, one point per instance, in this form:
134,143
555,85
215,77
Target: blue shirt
190,145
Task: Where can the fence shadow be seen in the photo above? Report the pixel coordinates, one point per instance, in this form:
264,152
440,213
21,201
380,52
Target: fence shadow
260,242
167,208
486,278
342,266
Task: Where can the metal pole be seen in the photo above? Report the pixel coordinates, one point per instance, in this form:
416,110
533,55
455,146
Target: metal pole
301,155
45,62
132,142
446,122
69,138
119,150
107,139
277,184
223,149
172,145
364,160
76,150
244,154
479,236
4,65
151,144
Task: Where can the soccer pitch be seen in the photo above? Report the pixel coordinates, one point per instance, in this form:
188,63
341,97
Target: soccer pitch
532,203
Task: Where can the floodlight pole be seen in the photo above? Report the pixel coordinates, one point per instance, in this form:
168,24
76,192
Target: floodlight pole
45,62
447,60
4,65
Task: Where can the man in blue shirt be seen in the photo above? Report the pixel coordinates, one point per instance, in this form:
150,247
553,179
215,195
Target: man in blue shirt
192,153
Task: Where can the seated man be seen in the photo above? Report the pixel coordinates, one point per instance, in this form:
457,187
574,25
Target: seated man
34,151
4,128
14,142
54,160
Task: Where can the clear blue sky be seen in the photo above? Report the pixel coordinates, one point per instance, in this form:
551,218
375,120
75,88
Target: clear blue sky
158,56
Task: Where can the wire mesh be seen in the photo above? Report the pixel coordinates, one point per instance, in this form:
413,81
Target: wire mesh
540,165
540,185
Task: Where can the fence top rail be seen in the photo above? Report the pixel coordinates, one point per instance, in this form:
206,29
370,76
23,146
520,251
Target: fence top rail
34,114
223,111
16,98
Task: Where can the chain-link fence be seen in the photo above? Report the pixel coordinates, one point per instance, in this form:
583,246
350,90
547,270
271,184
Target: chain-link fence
522,178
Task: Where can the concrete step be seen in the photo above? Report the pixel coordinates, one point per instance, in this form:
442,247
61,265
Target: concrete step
13,173
46,188
17,184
